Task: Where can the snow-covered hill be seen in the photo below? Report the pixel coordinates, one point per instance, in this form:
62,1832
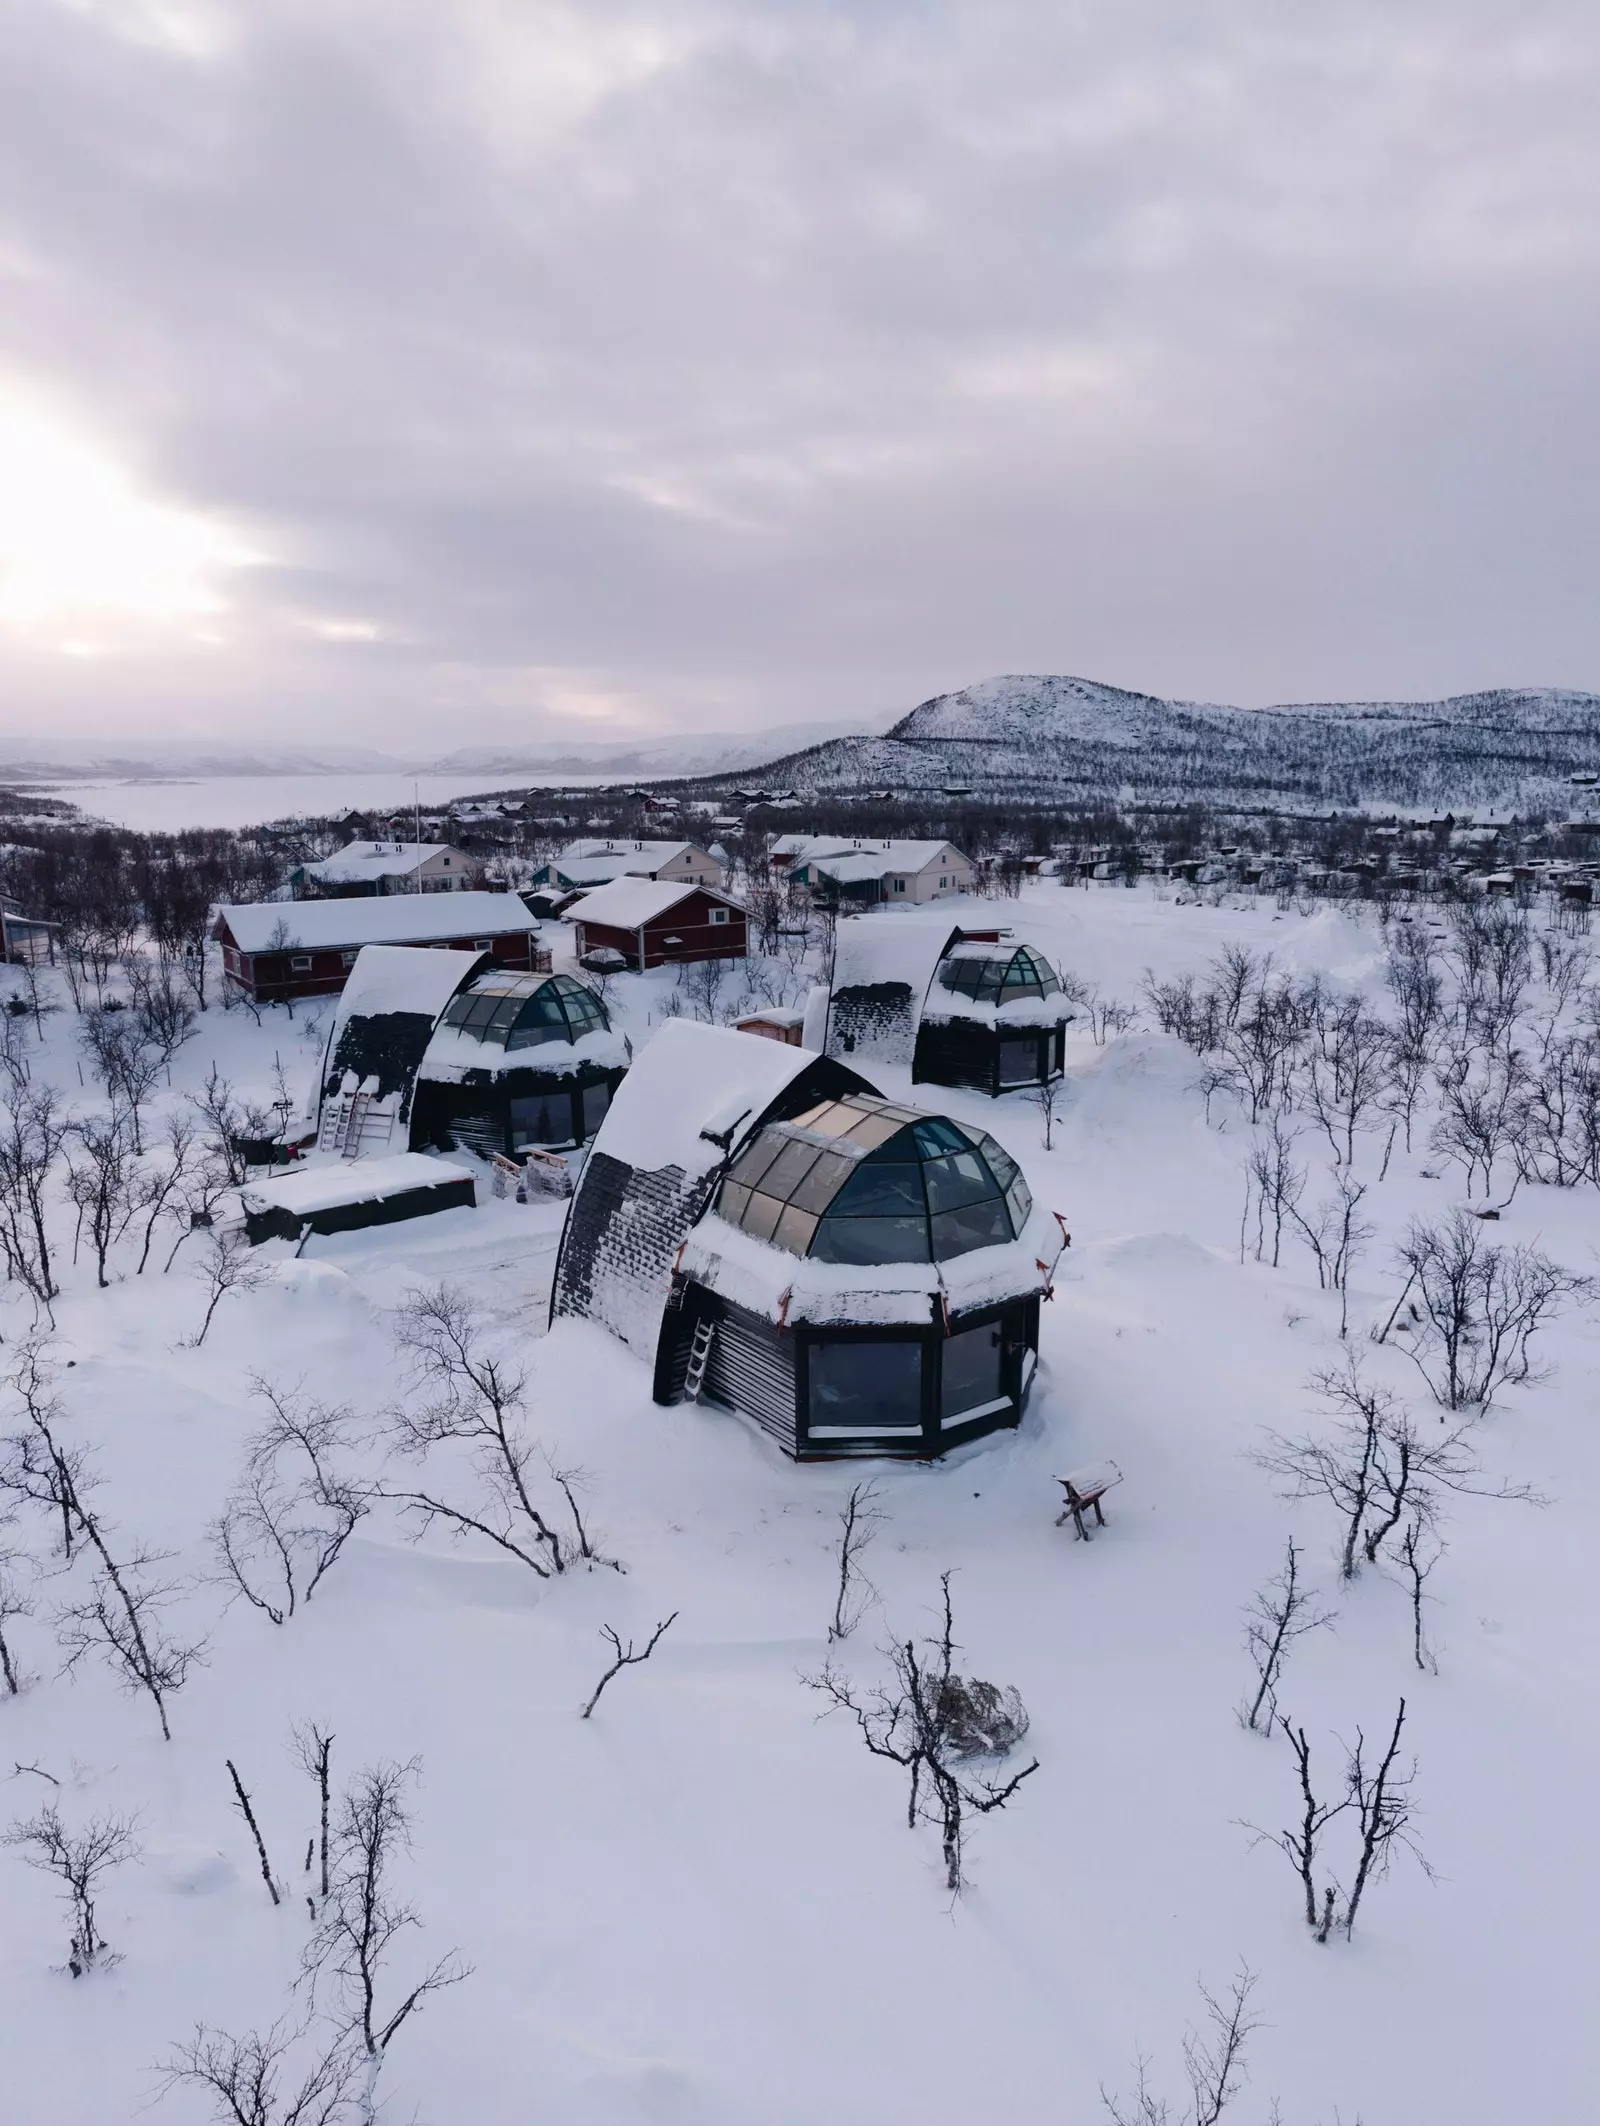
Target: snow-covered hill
1058,737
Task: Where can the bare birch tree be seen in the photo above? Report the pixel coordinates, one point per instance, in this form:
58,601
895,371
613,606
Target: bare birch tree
859,1521
1278,1614
79,1860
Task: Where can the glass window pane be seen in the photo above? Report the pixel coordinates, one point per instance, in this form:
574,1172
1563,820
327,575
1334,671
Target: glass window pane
971,1369
541,1118
868,1387
752,1163
976,1225
1019,1061
790,1168
831,1119
936,1136
875,1191
873,1130
866,1240
456,1010
762,1215
1000,1162
596,1099
960,1178
794,1230
733,1202
480,1012
831,1172
1020,1202
526,1036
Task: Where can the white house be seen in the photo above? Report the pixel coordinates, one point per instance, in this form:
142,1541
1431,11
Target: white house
365,868
597,863
897,873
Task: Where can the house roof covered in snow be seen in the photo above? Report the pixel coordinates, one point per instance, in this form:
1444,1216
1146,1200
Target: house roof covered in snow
367,862
321,1187
630,903
390,918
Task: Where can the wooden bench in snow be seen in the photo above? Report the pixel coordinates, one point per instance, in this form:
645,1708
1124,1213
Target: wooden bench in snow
1085,1488
343,1196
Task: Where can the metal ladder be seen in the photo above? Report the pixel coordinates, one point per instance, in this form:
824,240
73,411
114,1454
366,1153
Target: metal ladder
694,1377
342,1121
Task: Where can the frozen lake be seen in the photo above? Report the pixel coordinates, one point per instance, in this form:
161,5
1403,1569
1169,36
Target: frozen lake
156,807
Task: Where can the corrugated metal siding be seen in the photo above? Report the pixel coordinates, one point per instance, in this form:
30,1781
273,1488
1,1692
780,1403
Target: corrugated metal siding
752,1369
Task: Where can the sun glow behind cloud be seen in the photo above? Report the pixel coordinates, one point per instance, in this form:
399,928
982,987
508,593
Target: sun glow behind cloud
89,561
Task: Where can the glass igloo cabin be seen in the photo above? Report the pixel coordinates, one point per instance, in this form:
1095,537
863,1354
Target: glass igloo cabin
867,1281
778,1239
517,1062
994,1019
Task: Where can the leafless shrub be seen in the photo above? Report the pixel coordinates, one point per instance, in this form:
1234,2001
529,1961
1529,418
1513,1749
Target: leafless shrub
158,1187
475,1399
1374,1466
251,2081
362,1920
294,1509
313,1752
123,1619
1274,1184
229,1264
16,1600
1481,1306
1045,1098
921,1723
33,1129
99,1173
1278,1614
625,1657
860,1518
79,1860
1213,2066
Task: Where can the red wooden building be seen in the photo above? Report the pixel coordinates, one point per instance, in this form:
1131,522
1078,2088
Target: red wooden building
654,922
276,951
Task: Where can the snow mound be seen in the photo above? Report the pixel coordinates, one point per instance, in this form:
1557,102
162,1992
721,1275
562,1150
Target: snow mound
189,1869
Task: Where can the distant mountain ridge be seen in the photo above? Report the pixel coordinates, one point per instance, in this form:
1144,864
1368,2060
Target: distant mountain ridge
1055,737
690,753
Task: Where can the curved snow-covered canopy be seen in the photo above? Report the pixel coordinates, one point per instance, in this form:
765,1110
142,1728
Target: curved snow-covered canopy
865,1180
387,1012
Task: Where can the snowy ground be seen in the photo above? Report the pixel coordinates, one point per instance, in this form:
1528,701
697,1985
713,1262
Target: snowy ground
703,1907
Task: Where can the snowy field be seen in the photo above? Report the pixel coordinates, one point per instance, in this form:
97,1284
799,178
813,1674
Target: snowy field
155,806
703,1906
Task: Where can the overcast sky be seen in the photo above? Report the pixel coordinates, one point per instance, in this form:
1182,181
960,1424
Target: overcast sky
438,370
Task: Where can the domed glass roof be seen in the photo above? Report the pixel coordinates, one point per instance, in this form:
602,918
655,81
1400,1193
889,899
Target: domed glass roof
994,974
526,1010
864,1180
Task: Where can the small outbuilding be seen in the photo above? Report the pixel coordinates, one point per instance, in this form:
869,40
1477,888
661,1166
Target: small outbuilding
343,1198
994,1019
518,1062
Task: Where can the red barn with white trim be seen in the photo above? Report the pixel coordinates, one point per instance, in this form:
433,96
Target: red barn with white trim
656,922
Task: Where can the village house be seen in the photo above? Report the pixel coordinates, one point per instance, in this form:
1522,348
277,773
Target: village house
867,874
655,922
853,1275
366,869
597,863
274,952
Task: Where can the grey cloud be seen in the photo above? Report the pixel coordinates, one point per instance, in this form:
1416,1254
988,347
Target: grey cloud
744,362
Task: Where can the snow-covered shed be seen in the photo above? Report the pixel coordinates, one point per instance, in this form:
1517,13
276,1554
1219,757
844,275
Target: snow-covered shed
340,1197
694,1096
994,1018
382,1024
856,1276
882,965
518,1061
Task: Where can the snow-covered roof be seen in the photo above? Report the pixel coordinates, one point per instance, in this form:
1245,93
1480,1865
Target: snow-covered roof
846,860
625,857
454,1056
320,1188
390,918
386,1014
693,1095
771,1282
630,903
360,862
882,966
